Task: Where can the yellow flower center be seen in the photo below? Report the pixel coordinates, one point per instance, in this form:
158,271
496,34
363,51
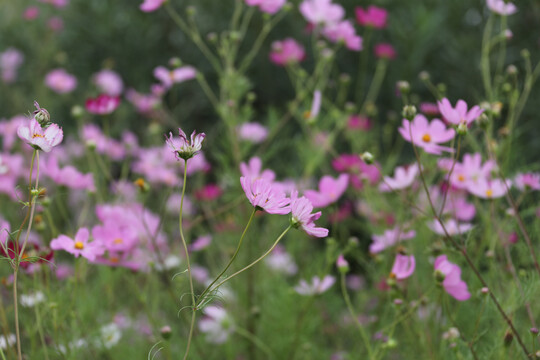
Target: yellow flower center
37,135
118,241
489,193
79,245
461,178
426,138
307,114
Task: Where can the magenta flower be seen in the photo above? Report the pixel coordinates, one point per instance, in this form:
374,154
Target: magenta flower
209,192
430,109
459,114
427,135
527,181
31,13
267,6
385,51
170,77
80,246
330,190
501,7
403,178
286,52
389,238
262,194
489,189
359,122
343,31
452,282
108,82
253,169
151,5
316,287
251,131
373,16
102,105
403,267
182,147
60,81
321,11
40,138
301,209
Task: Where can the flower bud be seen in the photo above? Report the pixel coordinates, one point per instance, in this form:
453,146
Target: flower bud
77,111
342,264
511,70
462,129
439,276
409,112
166,332
42,116
441,87
534,331
484,290
212,37
367,157
508,337
191,11
424,76
175,62
34,192
483,121
403,86
525,53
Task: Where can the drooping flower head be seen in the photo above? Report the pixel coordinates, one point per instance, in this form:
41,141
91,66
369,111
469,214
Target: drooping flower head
459,114
102,105
301,209
182,147
373,16
427,135
80,245
452,282
262,194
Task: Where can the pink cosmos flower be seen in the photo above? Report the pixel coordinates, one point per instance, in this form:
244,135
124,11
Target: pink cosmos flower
253,170
343,31
430,109
182,148
11,169
316,287
8,130
108,82
330,190
452,282
151,5
286,52
459,114
527,181
251,131
144,103
427,135
202,242
281,261
488,189
267,6
79,246
209,192
451,226
403,178
68,176
10,61
321,11
389,238
501,7
216,324
262,194
358,170
469,171
102,105
170,77
359,122
403,267
55,23
31,13
373,16
385,51
60,81
39,138
301,209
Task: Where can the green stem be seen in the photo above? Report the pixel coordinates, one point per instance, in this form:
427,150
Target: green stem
376,83
232,258
486,72
256,341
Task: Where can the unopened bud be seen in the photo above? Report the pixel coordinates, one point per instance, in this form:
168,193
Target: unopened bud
41,115
235,36
483,121
534,331
508,337
511,70
507,87
403,86
368,157
175,62
441,87
34,192
191,11
424,76
212,37
166,332
77,111
342,264
409,112
485,290
439,276
525,53
462,129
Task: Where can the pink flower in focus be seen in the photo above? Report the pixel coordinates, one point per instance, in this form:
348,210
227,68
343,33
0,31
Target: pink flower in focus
385,51
60,81
452,282
301,209
267,6
403,267
321,11
373,16
261,194
80,246
343,31
182,148
108,82
251,131
403,178
10,61
359,122
501,7
527,181
31,13
39,138
427,135
488,189
330,190
389,238
253,170
102,105
170,77
316,287
151,5
459,114
287,52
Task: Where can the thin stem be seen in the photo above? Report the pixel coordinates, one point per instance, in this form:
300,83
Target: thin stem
16,309
363,334
456,157
232,258
376,83
256,341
